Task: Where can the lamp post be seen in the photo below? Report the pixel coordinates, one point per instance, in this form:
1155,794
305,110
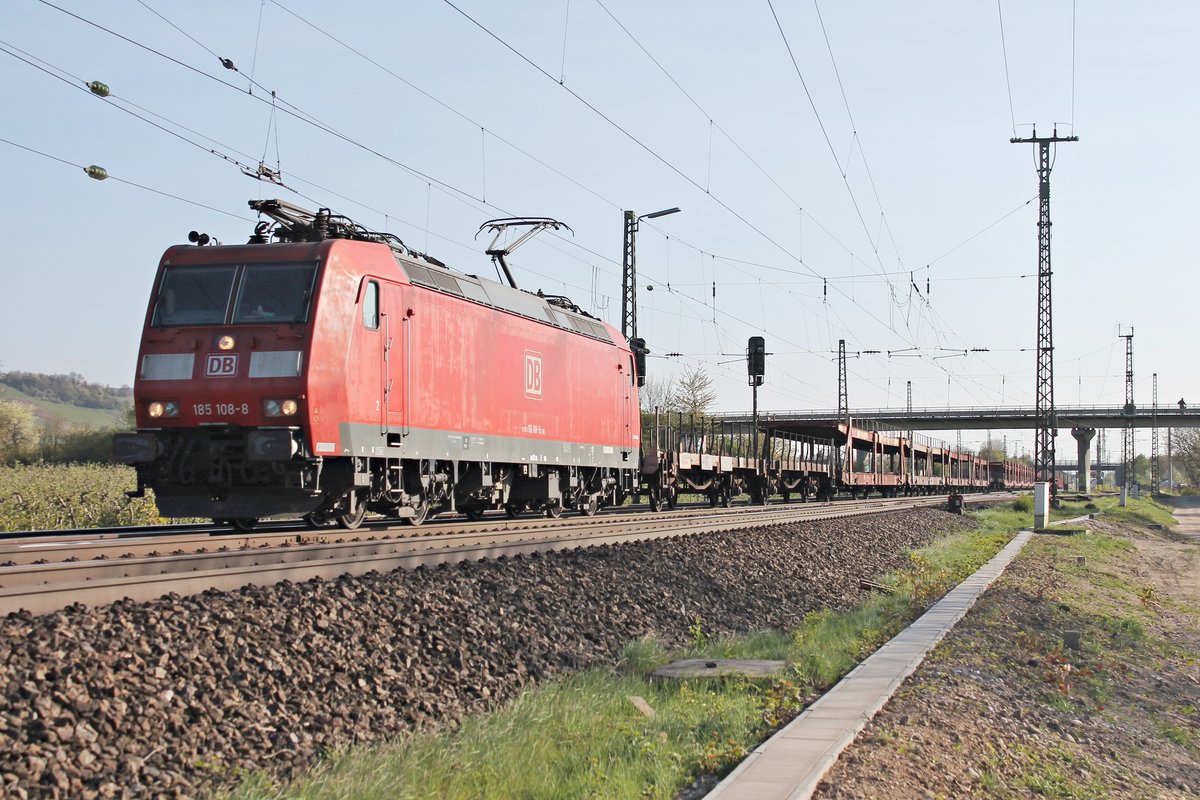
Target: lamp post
629,270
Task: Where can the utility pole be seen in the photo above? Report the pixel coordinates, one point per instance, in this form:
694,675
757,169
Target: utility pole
1154,478
629,270
1170,465
629,278
911,460
1047,422
843,405
1129,411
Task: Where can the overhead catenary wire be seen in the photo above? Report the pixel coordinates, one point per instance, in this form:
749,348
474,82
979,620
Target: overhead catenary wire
466,193
658,156
1007,81
118,179
443,190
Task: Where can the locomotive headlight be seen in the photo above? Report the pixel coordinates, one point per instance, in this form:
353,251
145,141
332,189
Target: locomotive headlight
159,409
280,408
226,342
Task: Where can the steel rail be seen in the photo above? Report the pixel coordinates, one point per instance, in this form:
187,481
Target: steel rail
78,546
290,551
46,588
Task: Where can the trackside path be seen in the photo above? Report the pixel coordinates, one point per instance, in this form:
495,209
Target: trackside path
792,762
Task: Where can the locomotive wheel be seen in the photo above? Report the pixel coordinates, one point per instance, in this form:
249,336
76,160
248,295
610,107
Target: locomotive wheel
474,513
655,502
513,510
317,519
590,505
554,509
354,518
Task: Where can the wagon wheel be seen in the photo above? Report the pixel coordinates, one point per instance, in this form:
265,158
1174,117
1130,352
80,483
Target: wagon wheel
554,509
590,505
672,498
713,498
243,524
420,513
474,513
726,497
513,510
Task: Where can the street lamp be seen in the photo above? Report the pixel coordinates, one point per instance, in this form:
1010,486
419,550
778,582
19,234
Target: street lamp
629,271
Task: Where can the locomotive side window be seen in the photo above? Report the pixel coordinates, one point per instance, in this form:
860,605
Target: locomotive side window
275,293
194,295
371,306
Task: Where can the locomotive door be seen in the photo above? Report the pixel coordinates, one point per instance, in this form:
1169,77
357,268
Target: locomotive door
366,376
396,365
625,383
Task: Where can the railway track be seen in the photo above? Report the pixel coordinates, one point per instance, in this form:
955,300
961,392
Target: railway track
97,571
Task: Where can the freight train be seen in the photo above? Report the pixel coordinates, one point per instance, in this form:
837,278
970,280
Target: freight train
326,371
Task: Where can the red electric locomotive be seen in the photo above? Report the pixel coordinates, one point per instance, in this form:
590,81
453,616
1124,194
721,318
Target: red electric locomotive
325,370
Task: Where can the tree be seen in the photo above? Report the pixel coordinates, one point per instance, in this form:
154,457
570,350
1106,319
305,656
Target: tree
657,393
18,430
1185,455
993,450
694,392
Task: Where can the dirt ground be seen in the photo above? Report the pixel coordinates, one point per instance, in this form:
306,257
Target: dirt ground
1003,709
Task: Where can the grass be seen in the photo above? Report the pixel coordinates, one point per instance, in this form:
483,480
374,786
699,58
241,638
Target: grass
581,737
577,737
1120,619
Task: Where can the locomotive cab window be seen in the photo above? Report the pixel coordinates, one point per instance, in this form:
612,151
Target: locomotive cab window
274,293
371,306
194,295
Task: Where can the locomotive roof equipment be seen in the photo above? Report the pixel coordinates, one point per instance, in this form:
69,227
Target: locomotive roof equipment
500,226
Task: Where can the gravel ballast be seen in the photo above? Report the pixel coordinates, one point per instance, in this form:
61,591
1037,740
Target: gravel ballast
179,695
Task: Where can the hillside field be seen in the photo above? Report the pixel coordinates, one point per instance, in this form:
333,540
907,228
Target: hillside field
94,418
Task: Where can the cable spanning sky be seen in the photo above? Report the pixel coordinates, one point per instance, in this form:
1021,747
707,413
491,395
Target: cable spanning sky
844,172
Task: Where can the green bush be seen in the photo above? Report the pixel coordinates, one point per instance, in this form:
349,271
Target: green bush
57,496
1024,504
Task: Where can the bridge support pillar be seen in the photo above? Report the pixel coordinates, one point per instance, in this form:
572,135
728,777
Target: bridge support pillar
1083,439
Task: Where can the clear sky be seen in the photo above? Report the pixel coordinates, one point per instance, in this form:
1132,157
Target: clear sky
811,188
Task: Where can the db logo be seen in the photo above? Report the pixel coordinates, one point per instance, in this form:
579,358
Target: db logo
221,365
533,374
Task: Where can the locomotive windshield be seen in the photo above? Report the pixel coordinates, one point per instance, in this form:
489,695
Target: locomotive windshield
274,293
194,295
265,293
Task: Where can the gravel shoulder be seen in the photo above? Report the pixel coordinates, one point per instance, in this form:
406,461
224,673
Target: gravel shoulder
1003,709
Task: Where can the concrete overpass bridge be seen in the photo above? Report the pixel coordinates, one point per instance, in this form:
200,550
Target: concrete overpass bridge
978,418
